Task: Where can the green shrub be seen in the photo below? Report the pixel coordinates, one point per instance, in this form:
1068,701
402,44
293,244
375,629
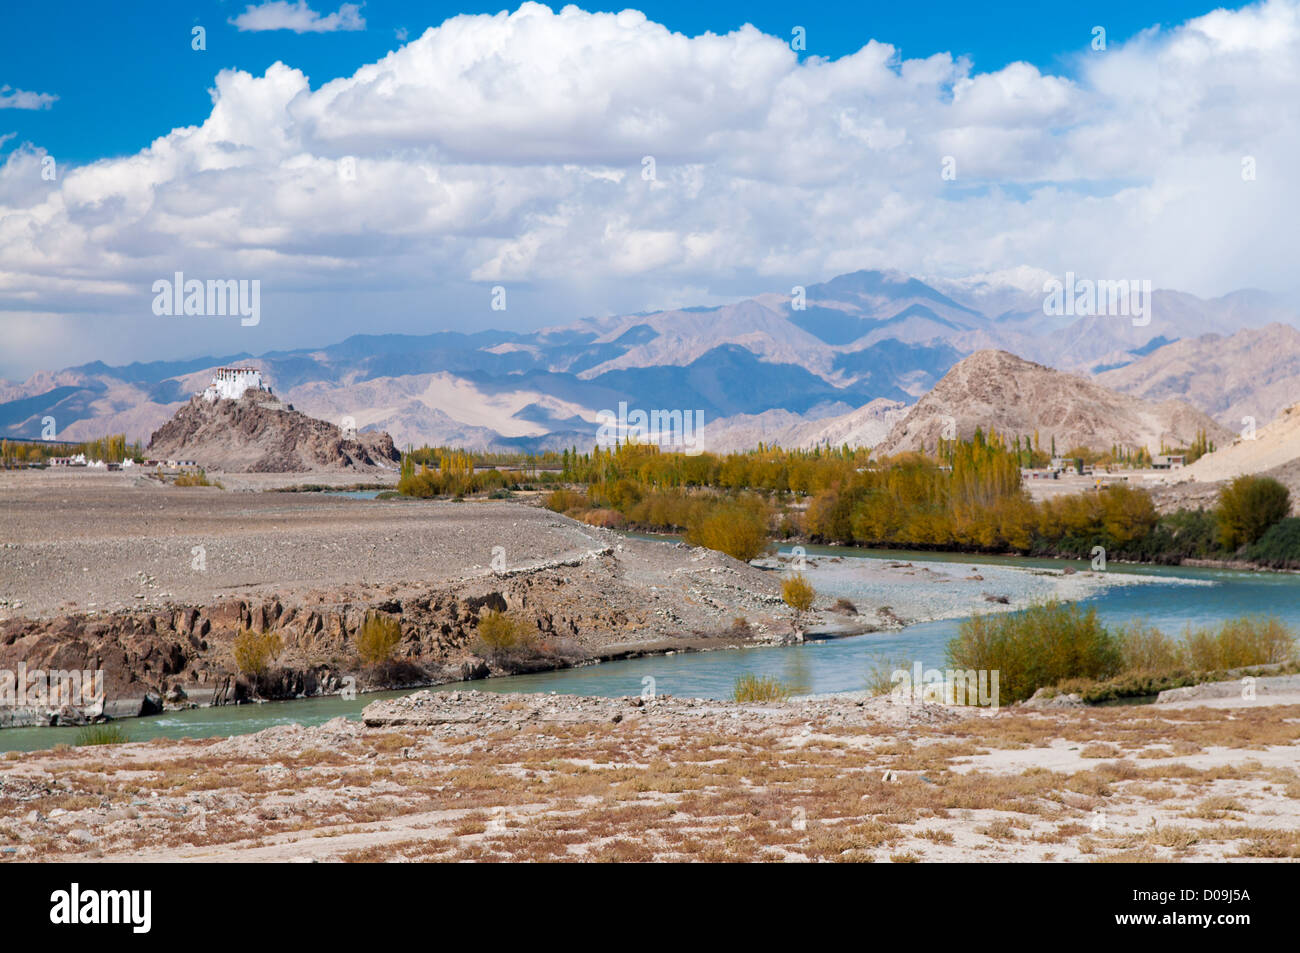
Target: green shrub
755,688
1036,647
1248,506
797,592
102,734
378,639
880,675
1238,643
255,651
1127,685
619,495
1279,547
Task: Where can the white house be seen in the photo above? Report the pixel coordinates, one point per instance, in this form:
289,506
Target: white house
229,383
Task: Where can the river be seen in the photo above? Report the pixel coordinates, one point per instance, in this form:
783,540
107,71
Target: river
1170,598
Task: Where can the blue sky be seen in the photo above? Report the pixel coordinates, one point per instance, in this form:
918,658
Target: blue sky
399,166
125,74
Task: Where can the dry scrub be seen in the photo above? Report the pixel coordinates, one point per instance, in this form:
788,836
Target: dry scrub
527,778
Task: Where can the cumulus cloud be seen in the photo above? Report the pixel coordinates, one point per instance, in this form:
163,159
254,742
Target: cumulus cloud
11,98
512,149
298,17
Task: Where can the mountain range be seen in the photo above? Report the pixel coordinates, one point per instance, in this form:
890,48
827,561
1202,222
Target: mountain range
834,362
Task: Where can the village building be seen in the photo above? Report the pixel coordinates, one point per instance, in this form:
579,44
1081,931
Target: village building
1066,463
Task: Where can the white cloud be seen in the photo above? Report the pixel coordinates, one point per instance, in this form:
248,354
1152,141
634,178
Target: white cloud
298,17
11,98
508,149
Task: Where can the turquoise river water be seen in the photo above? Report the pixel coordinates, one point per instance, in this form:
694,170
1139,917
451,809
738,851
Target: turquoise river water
830,665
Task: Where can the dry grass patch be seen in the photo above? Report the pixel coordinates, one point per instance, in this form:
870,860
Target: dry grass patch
1098,750
1216,808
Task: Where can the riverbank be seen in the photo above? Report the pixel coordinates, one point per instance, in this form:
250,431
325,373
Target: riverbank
151,584
477,776
976,555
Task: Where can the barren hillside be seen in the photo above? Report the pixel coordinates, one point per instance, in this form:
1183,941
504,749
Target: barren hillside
864,427
1252,373
1274,451
994,390
259,434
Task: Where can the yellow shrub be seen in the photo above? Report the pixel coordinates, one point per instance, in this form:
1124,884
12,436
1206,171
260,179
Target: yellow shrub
1145,649
737,528
753,688
500,630
378,639
196,478
254,651
564,501
798,592
1239,643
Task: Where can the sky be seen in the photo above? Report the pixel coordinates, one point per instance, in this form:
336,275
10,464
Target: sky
413,167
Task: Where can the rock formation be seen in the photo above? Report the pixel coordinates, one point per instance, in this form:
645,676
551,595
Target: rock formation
260,434
995,390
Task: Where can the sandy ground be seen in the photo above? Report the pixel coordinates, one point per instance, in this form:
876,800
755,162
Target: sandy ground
478,776
107,542
1238,693
77,541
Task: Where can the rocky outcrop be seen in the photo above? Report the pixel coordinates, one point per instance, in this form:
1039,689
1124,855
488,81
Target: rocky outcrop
259,434
995,390
182,656
864,427
1250,374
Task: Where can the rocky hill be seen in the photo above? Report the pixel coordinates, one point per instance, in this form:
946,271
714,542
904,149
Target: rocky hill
864,427
994,390
260,434
1252,373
